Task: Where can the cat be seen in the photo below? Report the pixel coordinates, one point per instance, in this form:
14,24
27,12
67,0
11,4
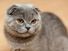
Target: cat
27,28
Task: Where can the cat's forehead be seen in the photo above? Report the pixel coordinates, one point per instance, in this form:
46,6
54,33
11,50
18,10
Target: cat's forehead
28,14
26,11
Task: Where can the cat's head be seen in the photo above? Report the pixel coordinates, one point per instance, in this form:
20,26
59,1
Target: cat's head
25,19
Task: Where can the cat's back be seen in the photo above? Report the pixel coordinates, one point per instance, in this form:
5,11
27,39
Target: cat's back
53,22
55,32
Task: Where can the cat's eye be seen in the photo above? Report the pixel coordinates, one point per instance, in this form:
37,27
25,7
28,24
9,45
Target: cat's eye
20,21
33,21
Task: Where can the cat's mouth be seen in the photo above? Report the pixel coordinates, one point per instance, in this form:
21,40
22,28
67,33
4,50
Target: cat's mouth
25,34
18,37
19,34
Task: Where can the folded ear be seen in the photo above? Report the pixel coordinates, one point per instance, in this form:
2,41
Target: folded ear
36,10
11,10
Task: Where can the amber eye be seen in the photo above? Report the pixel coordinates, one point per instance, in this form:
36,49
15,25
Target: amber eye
33,21
20,21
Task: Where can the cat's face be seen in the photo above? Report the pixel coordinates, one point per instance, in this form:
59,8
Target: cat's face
23,19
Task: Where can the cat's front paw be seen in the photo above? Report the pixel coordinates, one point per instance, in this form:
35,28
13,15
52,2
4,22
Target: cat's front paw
15,50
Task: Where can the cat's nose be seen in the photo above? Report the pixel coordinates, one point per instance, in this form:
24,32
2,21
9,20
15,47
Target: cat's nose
27,28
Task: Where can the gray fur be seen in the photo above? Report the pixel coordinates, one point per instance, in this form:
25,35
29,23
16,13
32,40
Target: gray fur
47,34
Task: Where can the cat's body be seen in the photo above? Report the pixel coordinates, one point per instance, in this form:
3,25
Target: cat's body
46,33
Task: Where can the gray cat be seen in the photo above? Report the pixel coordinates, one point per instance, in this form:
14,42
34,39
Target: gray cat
29,29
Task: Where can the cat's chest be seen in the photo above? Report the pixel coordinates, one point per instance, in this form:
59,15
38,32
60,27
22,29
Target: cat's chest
31,46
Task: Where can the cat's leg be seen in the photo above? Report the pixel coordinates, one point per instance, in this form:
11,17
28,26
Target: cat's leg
15,49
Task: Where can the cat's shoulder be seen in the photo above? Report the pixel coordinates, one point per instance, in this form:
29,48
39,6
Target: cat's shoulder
49,15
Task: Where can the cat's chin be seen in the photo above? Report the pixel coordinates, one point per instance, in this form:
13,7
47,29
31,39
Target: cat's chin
24,35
